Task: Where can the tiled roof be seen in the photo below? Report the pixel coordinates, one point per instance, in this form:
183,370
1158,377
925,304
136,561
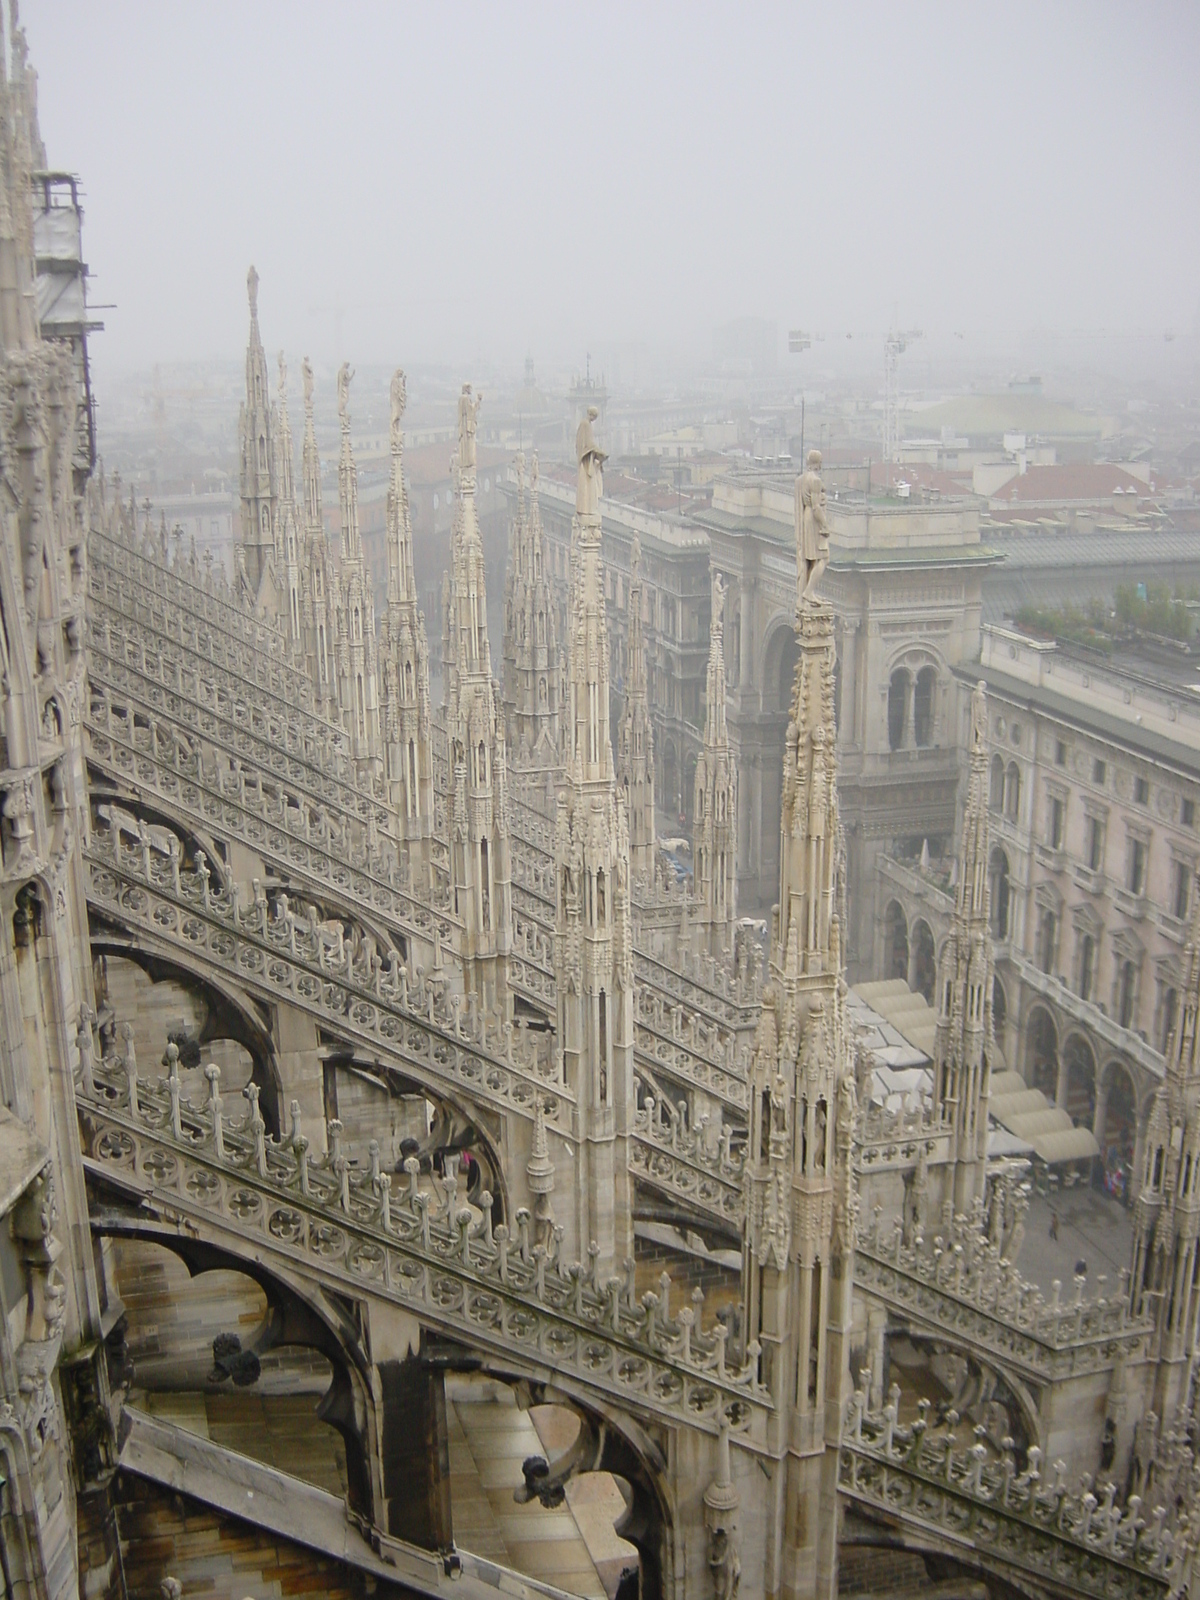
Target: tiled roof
1068,481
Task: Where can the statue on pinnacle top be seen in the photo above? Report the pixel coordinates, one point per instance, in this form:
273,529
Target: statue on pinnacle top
468,413
343,387
306,373
718,601
399,398
979,716
812,530
591,467
252,291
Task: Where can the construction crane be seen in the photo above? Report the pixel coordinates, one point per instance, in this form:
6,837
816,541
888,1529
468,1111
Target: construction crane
894,347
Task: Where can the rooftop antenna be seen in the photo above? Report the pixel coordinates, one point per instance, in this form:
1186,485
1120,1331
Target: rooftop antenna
894,347
798,343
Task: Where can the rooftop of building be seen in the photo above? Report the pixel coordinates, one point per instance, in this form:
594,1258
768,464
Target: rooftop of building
1052,545
1144,696
1072,483
916,479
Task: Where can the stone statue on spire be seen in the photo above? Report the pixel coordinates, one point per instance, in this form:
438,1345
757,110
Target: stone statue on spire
468,413
252,291
306,373
812,529
591,467
979,716
343,390
399,398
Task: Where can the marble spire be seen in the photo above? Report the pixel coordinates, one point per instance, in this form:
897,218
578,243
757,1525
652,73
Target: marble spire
1165,1269
318,576
257,472
356,653
635,736
963,1044
593,937
404,655
714,849
531,677
800,1188
481,873
287,534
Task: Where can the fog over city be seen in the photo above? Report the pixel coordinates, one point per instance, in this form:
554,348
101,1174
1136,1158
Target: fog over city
599,801
454,182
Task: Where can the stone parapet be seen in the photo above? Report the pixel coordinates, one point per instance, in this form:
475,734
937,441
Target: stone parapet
439,1258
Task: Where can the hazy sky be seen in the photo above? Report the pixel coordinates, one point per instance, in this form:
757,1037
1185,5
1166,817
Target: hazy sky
448,181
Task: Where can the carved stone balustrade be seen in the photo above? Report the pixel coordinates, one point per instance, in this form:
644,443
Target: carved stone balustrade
688,1164
304,840
397,1015
213,627
891,1140
223,708
664,1053
950,1488
446,1263
718,1001
962,1286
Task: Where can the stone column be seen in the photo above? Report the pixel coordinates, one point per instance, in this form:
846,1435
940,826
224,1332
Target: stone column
755,863
1060,1086
876,1334
1101,1116
746,635
301,1073
849,693
414,1449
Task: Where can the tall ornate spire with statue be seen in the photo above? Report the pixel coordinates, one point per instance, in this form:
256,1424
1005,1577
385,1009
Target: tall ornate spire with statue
1165,1277
404,656
800,1191
531,678
479,843
356,656
593,933
963,1043
635,737
714,850
318,576
288,539
258,530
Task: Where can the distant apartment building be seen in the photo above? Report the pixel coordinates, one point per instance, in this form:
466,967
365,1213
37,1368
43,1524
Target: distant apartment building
1094,800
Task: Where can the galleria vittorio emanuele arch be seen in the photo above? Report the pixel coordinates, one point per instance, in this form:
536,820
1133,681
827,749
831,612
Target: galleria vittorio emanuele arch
366,1040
